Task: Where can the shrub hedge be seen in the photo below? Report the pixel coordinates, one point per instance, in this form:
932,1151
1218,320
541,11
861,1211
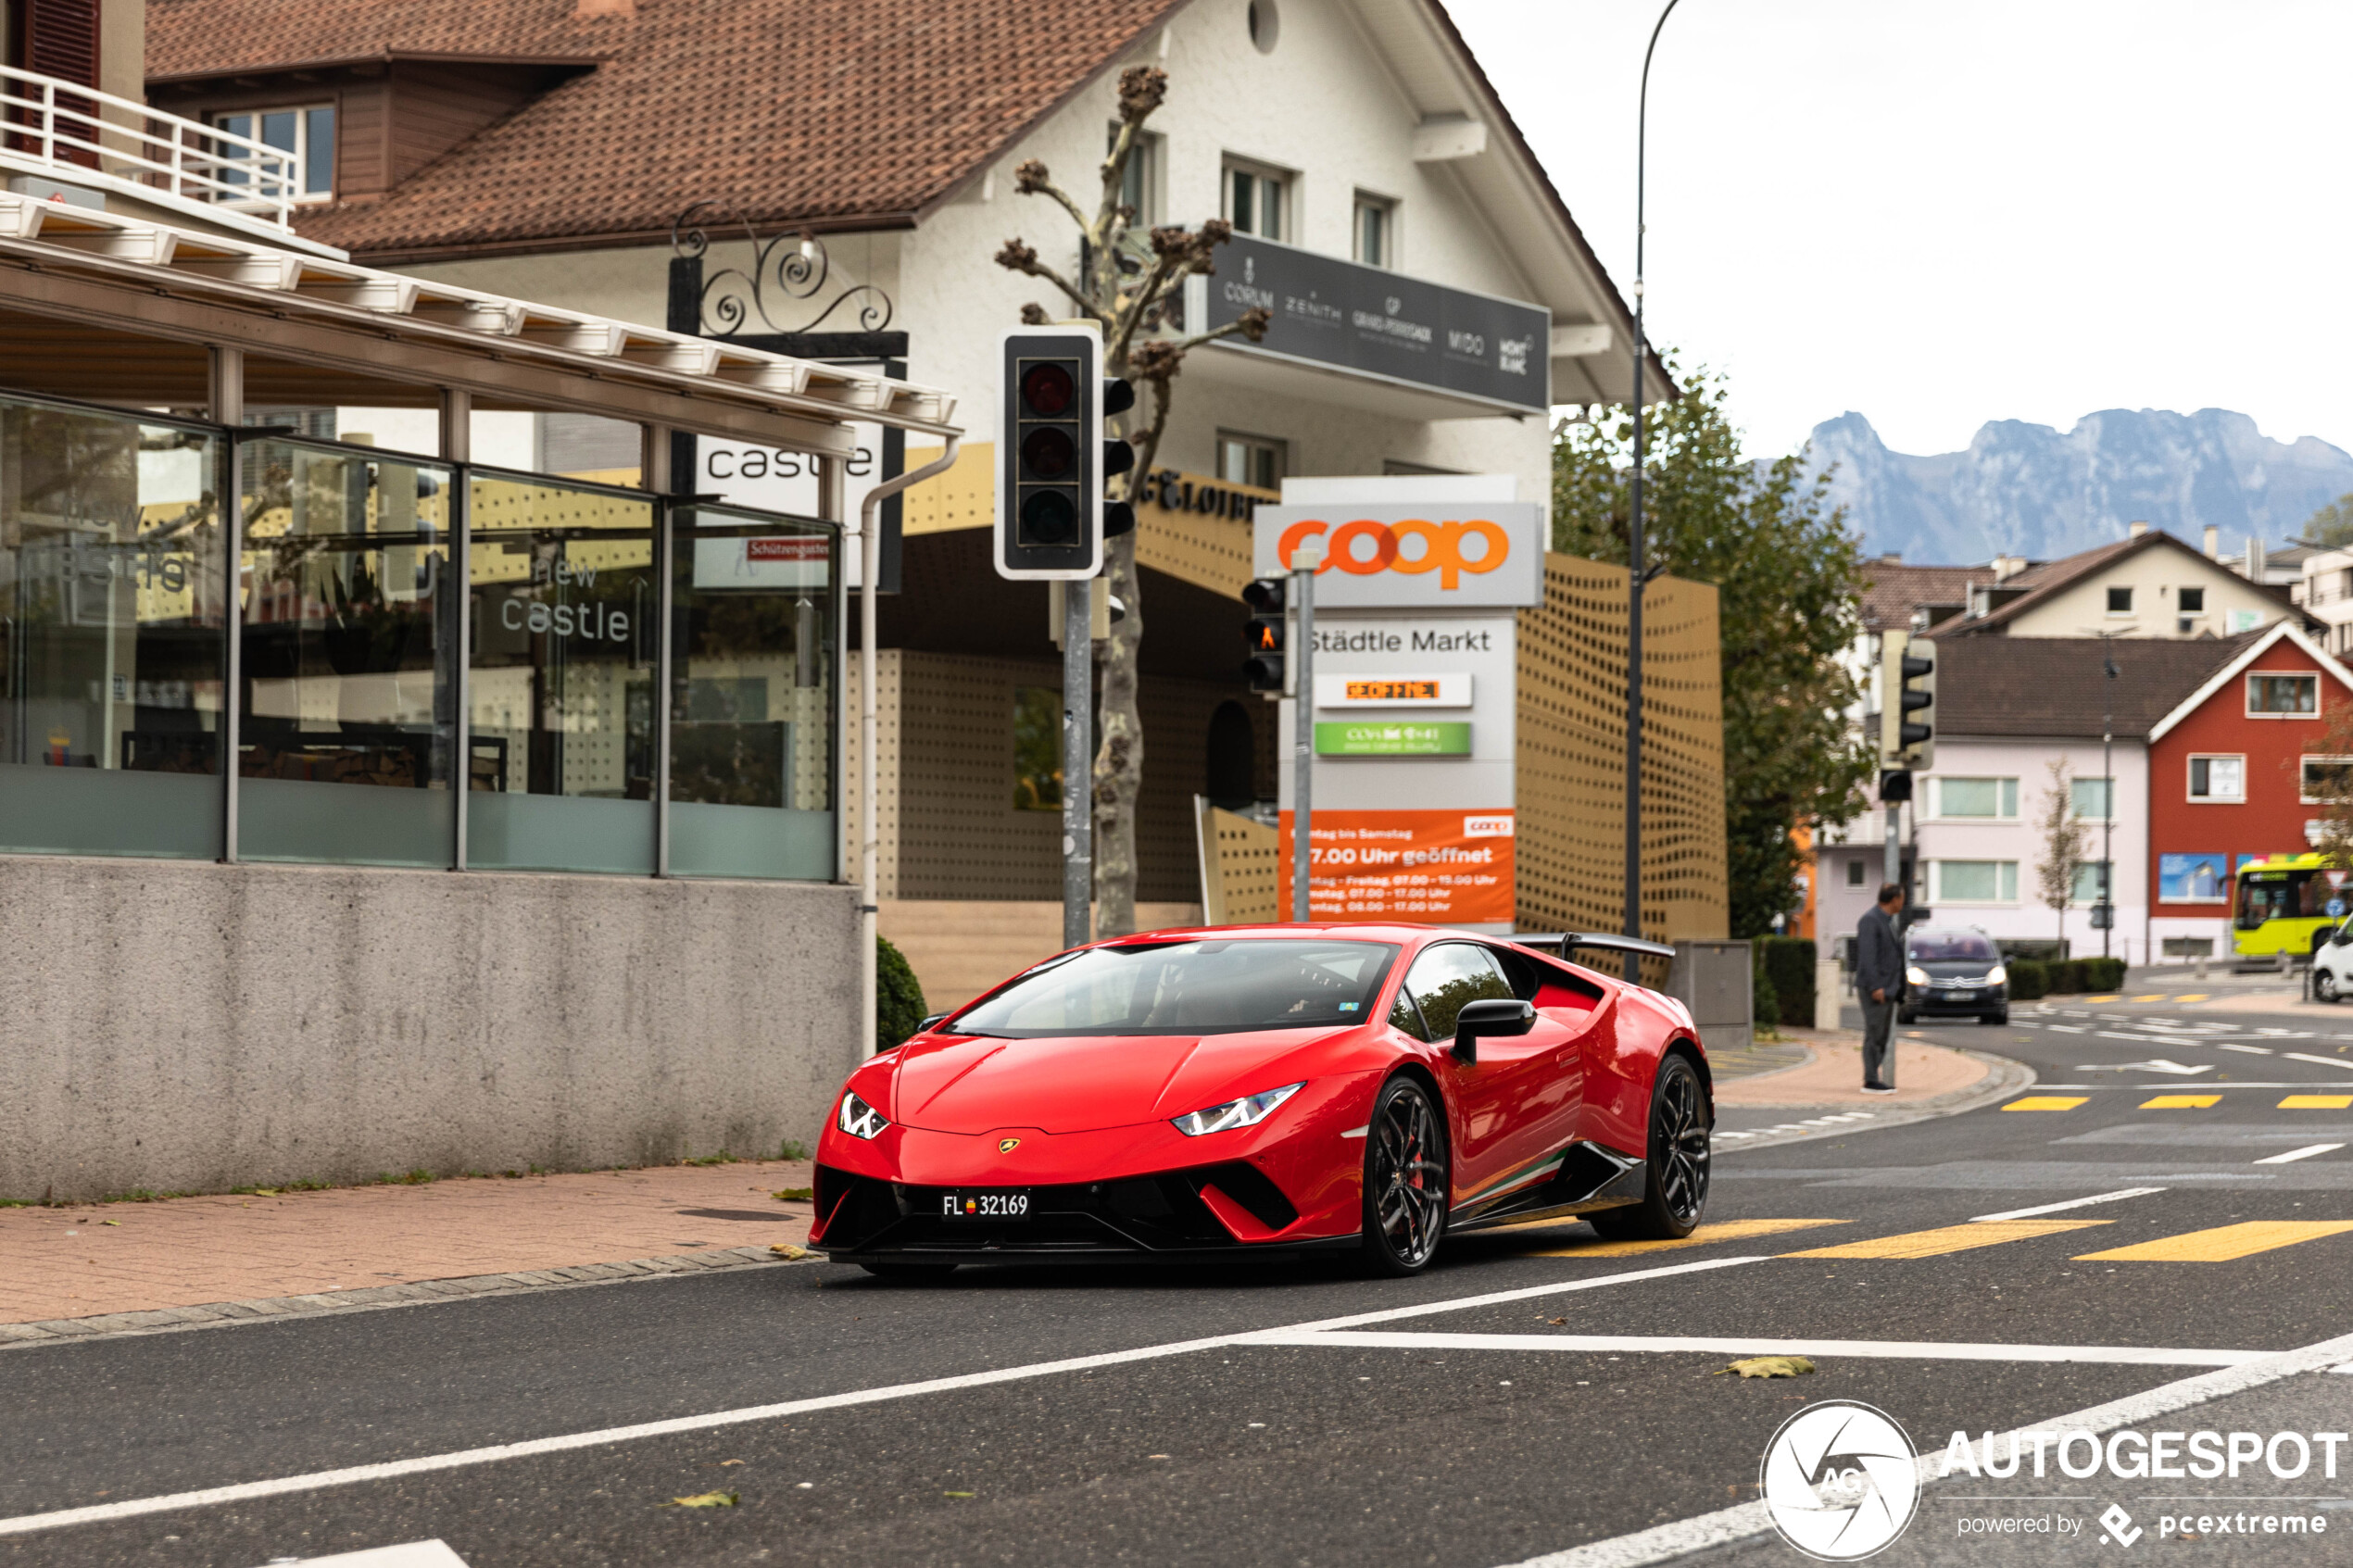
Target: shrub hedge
898,997
1766,1001
1787,961
2029,979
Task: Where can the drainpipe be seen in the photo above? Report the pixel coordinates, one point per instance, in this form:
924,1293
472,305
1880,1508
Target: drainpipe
869,786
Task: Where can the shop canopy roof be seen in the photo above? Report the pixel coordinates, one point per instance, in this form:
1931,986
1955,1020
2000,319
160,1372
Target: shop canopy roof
122,310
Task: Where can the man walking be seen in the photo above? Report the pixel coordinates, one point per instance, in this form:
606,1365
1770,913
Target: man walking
1879,983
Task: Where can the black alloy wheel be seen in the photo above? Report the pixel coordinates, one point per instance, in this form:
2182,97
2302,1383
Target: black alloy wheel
1406,1185
1675,1177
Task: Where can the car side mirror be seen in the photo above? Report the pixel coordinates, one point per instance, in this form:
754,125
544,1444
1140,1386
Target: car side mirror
926,1026
1495,1016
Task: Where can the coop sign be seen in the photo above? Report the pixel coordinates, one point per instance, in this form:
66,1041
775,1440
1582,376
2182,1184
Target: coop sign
1487,556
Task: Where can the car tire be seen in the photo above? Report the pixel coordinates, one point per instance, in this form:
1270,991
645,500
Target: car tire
913,1274
1907,1019
1408,1181
1675,1173
2324,986
2001,1018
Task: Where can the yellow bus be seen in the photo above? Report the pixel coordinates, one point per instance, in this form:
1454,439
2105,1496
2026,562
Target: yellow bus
2283,905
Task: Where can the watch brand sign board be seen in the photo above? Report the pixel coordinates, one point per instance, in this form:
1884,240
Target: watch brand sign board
1371,321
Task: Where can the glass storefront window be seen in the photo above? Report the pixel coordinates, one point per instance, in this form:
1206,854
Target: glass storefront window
348,671
112,634
565,627
752,695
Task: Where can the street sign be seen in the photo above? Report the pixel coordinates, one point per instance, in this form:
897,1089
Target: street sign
2336,908
2337,879
2103,917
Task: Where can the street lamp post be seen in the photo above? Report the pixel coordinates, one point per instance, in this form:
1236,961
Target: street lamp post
1636,580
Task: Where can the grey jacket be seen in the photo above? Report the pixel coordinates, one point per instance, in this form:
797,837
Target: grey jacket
1879,956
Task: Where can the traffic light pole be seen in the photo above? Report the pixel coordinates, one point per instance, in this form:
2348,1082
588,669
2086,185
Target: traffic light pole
1078,761
1305,560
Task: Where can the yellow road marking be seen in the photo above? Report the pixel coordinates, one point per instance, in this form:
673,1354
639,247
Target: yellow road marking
1949,1238
2180,1102
2103,999
2192,996
2222,1244
2317,1102
1729,1230
2045,1103
2153,996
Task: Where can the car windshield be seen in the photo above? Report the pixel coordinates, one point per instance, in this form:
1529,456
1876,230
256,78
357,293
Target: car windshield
1210,986
1950,947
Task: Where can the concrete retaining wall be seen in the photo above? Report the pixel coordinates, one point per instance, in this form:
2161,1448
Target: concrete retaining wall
195,1026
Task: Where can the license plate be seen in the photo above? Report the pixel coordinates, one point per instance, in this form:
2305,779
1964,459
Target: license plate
1964,996
999,1203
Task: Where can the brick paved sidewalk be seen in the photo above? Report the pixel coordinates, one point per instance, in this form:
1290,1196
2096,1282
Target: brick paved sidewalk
83,1260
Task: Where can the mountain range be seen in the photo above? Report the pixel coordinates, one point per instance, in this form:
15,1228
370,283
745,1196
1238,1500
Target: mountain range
2029,490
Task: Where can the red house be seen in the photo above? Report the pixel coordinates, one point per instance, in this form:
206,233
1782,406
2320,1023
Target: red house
2232,773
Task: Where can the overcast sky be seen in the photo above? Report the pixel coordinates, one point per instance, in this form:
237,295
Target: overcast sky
1938,213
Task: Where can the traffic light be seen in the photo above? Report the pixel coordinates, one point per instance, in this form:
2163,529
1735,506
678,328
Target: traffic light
1049,508
1907,702
1119,517
1264,668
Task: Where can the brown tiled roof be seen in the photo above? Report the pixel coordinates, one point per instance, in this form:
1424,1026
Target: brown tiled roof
2053,686
837,113
1895,590
2052,578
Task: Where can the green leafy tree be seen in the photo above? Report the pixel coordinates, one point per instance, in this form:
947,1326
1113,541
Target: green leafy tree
1789,576
2332,526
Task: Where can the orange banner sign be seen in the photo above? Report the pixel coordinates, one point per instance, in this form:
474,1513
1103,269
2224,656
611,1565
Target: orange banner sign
1429,868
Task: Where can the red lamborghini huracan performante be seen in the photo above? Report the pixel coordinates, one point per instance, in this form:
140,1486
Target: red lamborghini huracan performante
1219,1092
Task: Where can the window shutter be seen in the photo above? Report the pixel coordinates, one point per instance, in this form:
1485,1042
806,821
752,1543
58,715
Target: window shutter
61,39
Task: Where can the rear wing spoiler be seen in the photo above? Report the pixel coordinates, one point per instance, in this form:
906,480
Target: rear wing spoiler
1563,945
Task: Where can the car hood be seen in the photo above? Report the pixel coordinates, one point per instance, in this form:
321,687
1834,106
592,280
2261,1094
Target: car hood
1080,1084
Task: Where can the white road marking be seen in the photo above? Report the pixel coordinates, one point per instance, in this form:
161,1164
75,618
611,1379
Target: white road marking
2340,1063
412,1554
1882,1349
2071,1203
2159,1065
2251,1050
1748,1520
2293,1155
319,1480
2068,1029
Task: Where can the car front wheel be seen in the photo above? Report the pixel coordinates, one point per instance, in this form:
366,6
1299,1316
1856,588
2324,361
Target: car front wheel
2324,986
1406,1180
1675,1178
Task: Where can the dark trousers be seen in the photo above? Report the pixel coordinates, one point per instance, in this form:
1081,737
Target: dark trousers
1878,1047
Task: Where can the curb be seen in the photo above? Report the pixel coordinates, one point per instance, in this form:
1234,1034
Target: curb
378,1298
2003,1078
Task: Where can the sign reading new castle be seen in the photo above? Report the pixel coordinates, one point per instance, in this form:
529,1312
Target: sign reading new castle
1415,692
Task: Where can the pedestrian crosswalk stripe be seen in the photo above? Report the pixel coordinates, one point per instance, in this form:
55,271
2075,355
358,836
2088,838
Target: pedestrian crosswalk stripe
1949,1238
2316,1102
2192,996
2103,999
2045,1103
2156,996
1727,1230
2222,1244
2180,1102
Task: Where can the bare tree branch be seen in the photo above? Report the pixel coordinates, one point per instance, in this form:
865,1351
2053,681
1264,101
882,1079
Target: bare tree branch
1018,257
1032,180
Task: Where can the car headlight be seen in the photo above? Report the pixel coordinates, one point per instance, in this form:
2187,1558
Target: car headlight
1247,1111
859,1119
1997,976
1916,975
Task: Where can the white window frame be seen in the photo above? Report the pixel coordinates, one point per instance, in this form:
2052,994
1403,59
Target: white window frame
2303,779
2255,675
2189,778
1276,445
1282,180
2074,902
2004,884
1145,164
2098,778
219,119
1387,207
2006,793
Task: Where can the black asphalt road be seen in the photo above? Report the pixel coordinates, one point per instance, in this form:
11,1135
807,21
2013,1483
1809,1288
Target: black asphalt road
1425,1452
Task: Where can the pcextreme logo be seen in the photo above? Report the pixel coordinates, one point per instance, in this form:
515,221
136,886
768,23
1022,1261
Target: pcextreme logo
1840,1480
1428,555
1414,546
